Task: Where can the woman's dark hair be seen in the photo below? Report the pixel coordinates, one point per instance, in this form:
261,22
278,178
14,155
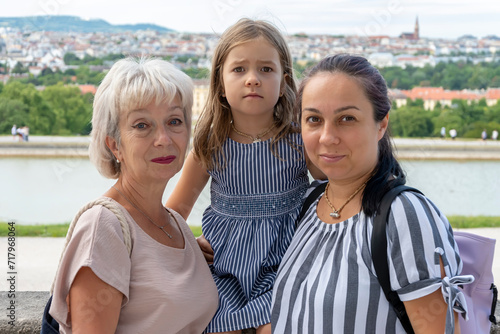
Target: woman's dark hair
388,173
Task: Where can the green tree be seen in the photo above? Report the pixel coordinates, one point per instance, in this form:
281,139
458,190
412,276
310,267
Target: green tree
186,59
419,103
46,71
495,81
451,75
411,122
453,78
418,77
197,73
19,68
299,69
492,114
71,59
469,113
90,60
70,72
12,112
113,57
39,116
394,105
450,119
73,110
85,76
478,79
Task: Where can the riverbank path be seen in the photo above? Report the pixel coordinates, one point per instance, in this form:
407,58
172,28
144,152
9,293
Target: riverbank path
406,148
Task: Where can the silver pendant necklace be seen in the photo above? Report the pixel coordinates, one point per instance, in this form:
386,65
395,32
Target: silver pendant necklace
257,139
145,215
336,213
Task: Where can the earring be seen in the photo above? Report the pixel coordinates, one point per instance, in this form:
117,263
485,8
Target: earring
117,161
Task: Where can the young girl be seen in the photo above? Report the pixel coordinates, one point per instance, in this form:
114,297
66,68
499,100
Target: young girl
248,142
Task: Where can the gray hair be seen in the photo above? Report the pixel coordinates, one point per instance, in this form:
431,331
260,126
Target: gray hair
133,83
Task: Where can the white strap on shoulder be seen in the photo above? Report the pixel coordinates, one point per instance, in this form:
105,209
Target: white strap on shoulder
111,206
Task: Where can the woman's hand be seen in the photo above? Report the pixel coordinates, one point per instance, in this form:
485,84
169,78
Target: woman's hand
206,249
94,305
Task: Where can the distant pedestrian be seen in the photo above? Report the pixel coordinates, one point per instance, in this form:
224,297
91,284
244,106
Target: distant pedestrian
26,131
484,135
14,132
453,134
443,132
20,133
494,135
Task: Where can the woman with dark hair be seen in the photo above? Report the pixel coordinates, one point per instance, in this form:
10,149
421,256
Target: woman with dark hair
326,282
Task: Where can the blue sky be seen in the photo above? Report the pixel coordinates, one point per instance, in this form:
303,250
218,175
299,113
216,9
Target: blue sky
438,18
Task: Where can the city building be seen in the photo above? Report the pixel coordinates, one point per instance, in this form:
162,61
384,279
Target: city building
431,96
200,96
415,35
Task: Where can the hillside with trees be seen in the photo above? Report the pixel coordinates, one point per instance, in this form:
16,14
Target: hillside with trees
454,76
72,23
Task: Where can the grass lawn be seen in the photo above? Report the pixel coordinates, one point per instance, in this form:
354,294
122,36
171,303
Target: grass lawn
60,230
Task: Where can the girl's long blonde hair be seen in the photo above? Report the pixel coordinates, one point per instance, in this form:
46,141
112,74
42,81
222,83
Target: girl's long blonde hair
214,124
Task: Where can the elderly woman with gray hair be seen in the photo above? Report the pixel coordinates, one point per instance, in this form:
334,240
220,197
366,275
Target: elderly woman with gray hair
160,283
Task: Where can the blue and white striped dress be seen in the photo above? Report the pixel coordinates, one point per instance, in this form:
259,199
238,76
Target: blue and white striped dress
327,283
255,199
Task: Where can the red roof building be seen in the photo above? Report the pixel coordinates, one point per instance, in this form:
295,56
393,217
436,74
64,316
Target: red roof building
432,95
87,89
492,96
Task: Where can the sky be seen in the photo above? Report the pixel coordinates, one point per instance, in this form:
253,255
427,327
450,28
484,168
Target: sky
437,18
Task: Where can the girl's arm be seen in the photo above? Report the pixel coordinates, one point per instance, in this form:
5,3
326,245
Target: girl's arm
428,314
191,183
94,305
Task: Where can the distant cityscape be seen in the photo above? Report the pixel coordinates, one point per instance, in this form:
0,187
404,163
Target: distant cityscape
37,50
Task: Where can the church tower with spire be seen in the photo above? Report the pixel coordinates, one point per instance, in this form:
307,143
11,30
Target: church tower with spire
416,33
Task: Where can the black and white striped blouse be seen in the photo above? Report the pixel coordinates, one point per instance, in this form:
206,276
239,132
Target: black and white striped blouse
327,284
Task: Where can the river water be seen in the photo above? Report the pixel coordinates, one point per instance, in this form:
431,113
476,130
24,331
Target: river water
47,191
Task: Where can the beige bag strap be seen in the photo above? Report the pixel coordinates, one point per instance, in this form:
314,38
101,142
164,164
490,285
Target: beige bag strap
111,206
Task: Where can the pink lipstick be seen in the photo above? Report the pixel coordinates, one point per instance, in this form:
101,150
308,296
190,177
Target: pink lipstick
164,160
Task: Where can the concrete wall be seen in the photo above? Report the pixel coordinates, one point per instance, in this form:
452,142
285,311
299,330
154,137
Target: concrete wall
29,306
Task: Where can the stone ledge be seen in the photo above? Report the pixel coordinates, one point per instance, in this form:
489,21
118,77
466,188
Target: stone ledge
29,310
30,306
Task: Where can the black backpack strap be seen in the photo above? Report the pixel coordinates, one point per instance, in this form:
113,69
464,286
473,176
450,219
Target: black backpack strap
310,200
492,317
379,254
